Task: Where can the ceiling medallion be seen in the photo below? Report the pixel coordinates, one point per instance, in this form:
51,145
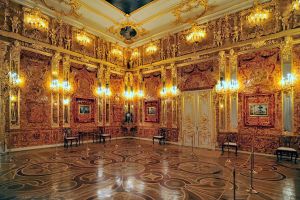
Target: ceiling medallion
197,33
187,6
258,14
127,30
34,19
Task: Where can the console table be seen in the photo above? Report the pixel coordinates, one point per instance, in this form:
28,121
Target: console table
128,127
88,134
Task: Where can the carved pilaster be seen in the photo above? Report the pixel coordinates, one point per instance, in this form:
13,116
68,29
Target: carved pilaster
14,105
233,97
66,91
287,95
4,69
163,101
100,76
55,86
107,99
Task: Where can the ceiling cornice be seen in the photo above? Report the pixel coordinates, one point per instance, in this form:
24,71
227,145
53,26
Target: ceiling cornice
232,7
229,8
69,20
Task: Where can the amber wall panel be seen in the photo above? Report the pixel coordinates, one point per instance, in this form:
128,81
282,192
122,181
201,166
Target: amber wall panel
35,106
259,73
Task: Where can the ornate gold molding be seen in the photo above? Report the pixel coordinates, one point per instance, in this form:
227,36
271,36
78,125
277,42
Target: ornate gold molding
73,5
186,6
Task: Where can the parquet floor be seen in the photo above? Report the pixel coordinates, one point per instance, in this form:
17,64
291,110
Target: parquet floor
133,169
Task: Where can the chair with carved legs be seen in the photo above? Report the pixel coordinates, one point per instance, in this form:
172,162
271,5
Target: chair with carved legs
286,148
68,137
230,141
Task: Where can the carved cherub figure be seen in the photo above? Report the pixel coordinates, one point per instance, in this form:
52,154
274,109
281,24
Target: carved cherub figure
174,50
235,34
15,24
67,43
285,20
218,38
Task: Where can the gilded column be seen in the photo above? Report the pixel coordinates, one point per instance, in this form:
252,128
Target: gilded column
100,76
107,95
175,99
141,86
14,79
4,70
222,97
55,87
233,98
163,101
66,91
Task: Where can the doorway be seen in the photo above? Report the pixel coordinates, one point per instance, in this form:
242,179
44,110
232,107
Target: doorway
198,119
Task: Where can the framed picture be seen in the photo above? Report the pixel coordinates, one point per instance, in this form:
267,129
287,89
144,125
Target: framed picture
152,111
84,109
259,110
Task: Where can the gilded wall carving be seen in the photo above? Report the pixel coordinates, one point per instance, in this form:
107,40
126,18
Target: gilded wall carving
198,76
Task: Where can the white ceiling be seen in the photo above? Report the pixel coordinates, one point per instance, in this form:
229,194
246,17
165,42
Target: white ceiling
97,16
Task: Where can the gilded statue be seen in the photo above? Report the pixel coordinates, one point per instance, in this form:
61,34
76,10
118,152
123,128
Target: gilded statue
6,15
218,38
235,34
174,50
15,23
285,20
68,43
52,36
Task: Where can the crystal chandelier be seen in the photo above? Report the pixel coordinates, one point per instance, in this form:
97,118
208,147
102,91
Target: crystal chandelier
135,54
296,4
258,15
151,49
196,34
35,20
117,53
82,38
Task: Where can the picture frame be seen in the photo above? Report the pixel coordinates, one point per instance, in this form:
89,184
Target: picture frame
84,110
152,111
259,110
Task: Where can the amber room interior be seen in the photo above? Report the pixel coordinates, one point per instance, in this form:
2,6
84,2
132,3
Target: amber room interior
150,99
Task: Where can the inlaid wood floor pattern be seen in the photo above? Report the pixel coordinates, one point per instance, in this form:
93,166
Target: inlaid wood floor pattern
133,169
